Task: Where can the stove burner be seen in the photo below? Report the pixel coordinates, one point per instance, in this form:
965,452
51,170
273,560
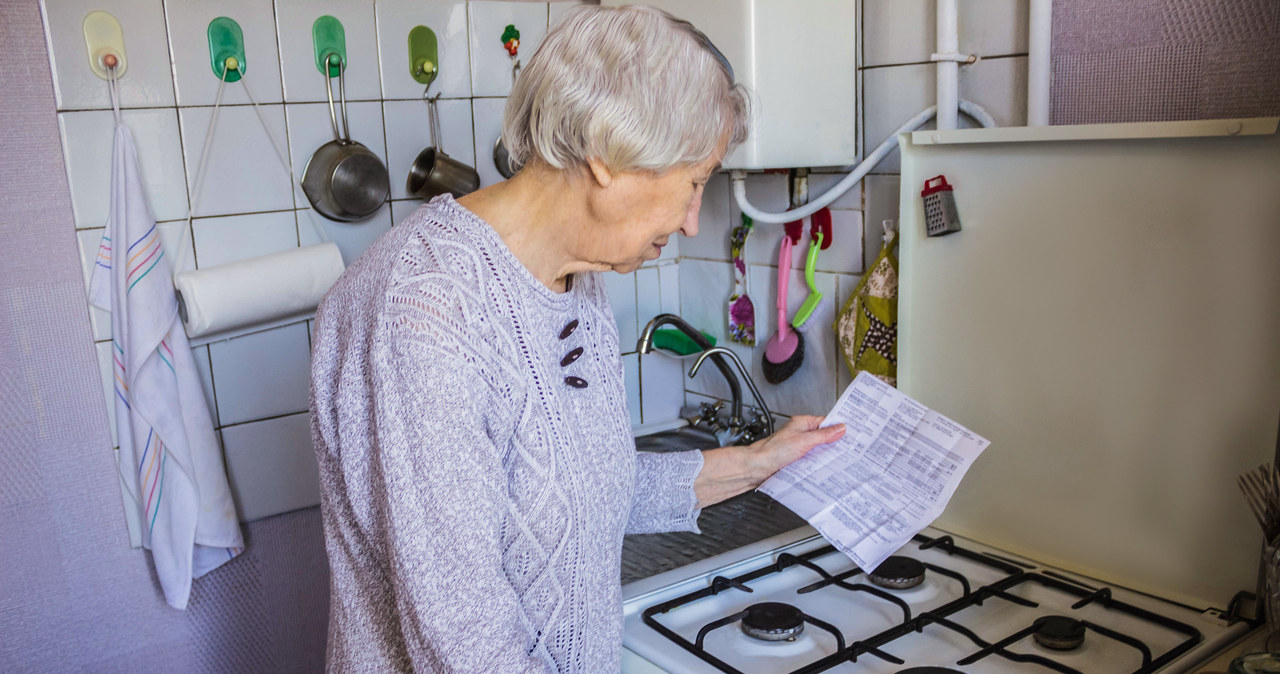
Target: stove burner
773,621
929,670
1059,633
898,573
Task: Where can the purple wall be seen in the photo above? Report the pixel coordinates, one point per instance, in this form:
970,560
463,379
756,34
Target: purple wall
73,595
1164,60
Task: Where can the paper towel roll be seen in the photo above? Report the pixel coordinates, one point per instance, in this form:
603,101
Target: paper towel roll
258,290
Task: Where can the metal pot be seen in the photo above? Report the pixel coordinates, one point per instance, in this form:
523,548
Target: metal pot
433,172
344,180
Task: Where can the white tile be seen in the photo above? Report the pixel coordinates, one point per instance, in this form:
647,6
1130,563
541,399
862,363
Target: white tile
714,222
271,466
194,77
302,79
490,62
311,127
669,282
487,113
622,295
892,96
170,237
905,31
204,368
648,298
661,388
558,8
352,238
844,254
99,319
147,80
88,139
448,20
403,209
239,237
631,377
820,183
261,375
704,295
243,174
812,389
1000,86
106,370
408,133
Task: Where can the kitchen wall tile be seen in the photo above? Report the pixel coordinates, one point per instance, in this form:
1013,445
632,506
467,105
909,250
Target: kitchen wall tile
171,236
147,81
311,127
661,387
558,8
271,466
448,20
487,113
882,204
1000,86
820,183
106,372
204,367
490,63
704,294
409,133
631,377
669,282
622,295
812,389
845,252
648,299
352,238
905,31
239,237
243,173
403,209
712,240
302,79
87,142
898,94
194,77
261,375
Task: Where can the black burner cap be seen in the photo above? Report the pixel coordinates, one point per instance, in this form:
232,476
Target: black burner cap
898,573
773,621
1059,633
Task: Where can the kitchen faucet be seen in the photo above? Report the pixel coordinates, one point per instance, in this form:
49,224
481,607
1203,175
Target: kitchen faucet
645,345
765,416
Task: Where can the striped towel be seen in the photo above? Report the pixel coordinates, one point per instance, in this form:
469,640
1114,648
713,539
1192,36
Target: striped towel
170,460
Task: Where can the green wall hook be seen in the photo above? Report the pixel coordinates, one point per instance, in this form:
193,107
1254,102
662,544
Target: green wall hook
329,37
226,41
424,56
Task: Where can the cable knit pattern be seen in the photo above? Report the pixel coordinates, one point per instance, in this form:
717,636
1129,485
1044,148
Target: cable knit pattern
474,500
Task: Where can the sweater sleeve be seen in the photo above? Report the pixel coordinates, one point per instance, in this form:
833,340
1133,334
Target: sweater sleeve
664,499
445,504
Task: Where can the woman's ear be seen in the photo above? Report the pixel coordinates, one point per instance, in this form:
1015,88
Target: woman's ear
601,173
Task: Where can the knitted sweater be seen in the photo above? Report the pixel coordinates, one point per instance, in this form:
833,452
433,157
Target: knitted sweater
477,466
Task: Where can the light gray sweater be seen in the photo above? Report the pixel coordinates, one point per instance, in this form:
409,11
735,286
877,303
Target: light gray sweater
476,459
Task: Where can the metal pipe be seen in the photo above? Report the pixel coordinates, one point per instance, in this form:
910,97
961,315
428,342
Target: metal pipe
948,69
1039,65
645,345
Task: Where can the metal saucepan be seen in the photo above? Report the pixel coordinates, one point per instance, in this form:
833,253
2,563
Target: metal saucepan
434,173
344,180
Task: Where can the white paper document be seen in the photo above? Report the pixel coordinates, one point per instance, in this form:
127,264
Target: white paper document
890,475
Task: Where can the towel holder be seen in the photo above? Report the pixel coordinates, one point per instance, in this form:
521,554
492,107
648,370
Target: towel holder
104,40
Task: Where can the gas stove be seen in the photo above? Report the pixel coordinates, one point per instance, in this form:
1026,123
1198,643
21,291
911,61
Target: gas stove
940,604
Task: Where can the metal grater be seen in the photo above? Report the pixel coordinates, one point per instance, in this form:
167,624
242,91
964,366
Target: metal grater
940,215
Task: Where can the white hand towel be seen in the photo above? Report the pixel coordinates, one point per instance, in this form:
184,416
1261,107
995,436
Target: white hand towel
170,460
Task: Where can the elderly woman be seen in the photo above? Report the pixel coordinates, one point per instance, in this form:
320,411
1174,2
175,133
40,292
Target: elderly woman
468,407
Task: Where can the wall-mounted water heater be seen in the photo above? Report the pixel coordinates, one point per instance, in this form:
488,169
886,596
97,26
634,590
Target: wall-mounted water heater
798,59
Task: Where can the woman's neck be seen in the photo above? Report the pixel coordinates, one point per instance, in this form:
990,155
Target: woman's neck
541,214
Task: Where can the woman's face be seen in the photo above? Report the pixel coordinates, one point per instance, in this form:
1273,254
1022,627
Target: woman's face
646,209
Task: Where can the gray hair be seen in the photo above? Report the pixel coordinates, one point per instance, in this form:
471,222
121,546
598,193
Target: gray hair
633,86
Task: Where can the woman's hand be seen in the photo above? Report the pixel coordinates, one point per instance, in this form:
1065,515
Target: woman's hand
729,471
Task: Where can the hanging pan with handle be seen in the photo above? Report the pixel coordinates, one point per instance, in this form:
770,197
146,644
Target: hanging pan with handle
344,180
433,172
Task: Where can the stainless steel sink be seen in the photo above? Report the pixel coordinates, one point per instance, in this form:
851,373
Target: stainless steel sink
745,518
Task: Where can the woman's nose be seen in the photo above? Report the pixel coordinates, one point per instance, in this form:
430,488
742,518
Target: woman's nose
690,226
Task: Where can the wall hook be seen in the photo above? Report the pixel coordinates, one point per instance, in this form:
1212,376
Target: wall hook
424,56
329,38
226,42
104,40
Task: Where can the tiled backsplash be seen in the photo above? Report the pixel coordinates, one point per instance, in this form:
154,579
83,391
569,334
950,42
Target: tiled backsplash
257,384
